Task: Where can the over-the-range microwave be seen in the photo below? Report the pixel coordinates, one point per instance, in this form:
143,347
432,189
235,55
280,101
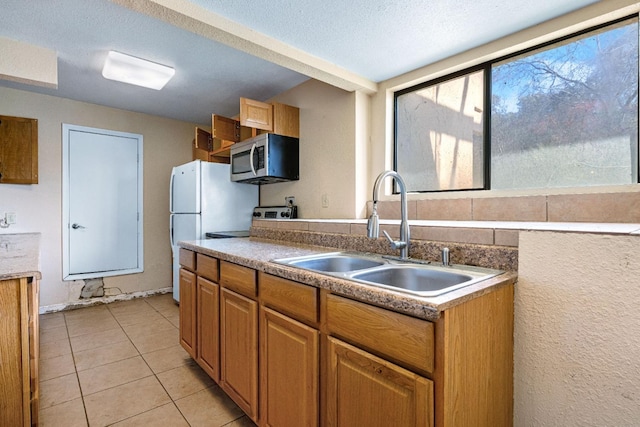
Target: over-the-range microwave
265,159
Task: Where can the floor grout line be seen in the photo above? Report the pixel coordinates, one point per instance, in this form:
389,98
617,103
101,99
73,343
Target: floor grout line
167,312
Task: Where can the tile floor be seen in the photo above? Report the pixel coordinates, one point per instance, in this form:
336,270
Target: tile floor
121,364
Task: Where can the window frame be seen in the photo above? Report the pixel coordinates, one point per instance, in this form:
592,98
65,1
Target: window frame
486,66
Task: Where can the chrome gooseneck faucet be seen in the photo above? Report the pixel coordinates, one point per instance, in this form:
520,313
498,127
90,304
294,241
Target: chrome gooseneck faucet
373,225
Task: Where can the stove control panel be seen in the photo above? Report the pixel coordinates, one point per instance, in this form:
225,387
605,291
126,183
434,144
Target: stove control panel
275,212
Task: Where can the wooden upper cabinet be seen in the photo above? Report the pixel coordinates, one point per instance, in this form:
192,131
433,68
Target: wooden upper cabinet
277,118
225,128
201,145
18,150
286,120
256,114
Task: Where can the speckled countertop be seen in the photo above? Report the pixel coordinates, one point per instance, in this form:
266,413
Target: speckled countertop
19,255
257,254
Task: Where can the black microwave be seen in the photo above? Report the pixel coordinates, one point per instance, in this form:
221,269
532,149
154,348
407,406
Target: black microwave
265,159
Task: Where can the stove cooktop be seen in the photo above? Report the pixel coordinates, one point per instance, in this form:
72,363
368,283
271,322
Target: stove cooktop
227,234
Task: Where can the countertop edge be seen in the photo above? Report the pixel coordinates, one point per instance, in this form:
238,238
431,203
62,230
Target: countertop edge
21,274
239,251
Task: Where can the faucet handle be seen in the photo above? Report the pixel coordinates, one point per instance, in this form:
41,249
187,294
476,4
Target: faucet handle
395,244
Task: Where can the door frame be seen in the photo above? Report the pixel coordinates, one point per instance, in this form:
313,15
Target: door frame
66,129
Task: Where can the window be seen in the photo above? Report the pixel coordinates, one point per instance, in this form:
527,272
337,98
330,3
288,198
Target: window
562,115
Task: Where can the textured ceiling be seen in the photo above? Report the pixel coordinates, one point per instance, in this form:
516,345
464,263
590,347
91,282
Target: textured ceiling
361,41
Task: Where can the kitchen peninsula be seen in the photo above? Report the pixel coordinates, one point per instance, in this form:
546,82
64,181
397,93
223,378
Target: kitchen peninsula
19,288
295,347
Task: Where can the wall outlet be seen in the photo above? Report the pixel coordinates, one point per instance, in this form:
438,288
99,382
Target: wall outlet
10,217
325,200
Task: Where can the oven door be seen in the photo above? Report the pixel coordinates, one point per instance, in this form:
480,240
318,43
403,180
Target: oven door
248,162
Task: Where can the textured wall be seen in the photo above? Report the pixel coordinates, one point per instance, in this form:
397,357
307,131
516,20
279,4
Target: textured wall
328,149
39,207
577,330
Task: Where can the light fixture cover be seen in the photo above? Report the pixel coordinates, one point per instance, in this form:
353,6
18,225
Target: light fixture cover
136,71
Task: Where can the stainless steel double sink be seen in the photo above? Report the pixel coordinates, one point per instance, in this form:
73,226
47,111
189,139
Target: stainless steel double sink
411,276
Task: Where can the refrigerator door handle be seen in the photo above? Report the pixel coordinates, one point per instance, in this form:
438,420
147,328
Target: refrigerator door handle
171,227
171,192
253,148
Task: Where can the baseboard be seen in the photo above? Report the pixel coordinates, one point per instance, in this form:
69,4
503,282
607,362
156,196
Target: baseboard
101,300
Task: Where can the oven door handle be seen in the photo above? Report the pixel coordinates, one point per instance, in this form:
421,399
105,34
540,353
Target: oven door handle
253,169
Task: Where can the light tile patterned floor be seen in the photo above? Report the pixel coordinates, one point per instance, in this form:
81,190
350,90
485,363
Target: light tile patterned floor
121,364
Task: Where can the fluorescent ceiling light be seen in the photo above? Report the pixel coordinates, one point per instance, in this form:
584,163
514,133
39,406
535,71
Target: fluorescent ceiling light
136,71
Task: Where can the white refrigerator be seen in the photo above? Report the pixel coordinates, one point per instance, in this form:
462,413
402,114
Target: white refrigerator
203,199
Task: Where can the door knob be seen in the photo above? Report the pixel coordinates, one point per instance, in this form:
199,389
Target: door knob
75,226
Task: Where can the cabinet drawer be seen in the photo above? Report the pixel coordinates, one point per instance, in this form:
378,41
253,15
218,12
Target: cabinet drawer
401,338
238,278
207,267
292,298
188,259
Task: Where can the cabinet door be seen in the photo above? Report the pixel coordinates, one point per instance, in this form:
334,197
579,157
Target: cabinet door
239,350
188,311
286,120
256,114
364,390
202,145
18,150
208,321
225,128
288,371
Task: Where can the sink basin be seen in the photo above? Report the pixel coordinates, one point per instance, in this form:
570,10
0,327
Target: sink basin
424,281
421,279
333,262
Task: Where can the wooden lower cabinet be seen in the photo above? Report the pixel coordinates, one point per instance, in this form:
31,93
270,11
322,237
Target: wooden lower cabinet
289,371
239,350
365,390
292,355
19,352
208,327
188,311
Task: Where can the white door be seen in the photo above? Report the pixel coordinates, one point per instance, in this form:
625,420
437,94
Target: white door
102,202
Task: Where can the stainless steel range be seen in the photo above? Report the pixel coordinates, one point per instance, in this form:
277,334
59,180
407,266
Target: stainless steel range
275,212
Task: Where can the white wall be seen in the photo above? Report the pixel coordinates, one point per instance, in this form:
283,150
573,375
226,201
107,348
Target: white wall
329,151
577,319
577,330
39,207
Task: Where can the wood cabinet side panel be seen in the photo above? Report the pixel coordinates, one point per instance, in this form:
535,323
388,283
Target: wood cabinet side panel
11,373
295,299
474,382
34,348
